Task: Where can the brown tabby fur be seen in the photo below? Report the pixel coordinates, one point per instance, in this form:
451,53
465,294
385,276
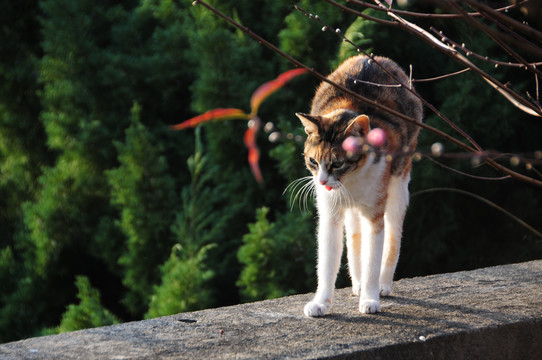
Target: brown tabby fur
400,134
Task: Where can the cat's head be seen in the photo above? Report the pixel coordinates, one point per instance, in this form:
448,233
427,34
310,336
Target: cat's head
324,155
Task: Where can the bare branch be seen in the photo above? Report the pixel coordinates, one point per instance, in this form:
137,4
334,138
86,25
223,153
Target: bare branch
480,198
398,81
506,20
478,56
496,36
441,76
428,15
509,94
362,15
453,140
464,173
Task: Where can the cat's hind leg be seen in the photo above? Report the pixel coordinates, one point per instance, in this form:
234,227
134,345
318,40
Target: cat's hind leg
352,224
394,216
330,248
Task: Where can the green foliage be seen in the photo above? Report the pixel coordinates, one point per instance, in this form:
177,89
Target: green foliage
186,275
89,312
94,186
8,272
358,33
143,189
22,153
185,283
285,154
303,38
272,252
258,275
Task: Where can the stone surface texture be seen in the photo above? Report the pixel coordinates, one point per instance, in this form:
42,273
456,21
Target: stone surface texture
489,313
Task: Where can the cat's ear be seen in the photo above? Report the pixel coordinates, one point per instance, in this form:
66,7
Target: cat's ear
310,123
358,126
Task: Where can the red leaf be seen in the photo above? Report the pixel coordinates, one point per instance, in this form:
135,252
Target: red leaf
215,114
253,152
270,87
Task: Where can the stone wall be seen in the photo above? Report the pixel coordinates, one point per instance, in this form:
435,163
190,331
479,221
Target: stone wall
490,313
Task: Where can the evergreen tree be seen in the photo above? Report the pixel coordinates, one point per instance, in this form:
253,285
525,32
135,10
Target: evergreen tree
88,313
187,274
230,67
22,153
272,252
143,189
185,283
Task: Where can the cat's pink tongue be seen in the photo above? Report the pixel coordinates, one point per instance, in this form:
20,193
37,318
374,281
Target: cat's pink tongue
328,188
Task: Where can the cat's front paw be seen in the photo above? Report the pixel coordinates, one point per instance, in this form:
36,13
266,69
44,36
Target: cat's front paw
369,306
316,309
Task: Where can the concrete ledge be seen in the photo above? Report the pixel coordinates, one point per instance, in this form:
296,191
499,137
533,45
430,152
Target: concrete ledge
491,313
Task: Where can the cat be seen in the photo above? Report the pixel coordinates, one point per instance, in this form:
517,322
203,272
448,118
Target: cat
364,193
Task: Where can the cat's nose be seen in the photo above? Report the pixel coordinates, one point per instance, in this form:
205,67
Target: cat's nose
323,182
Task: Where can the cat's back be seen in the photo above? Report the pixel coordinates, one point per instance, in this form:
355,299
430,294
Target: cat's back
367,78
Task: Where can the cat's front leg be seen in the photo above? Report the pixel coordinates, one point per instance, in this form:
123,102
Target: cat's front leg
330,247
371,252
353,241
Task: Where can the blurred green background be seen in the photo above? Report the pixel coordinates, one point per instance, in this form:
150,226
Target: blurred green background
106,215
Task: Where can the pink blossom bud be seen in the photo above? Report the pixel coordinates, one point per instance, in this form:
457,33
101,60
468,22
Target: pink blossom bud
351,144
376,137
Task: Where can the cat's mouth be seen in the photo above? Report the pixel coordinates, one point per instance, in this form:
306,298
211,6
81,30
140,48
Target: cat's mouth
328,188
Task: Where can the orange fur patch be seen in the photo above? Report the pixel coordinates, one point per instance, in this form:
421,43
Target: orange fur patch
355,242
393,251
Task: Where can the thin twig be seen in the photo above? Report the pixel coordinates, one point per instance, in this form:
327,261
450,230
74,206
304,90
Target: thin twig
325,79
469,52
464,173
428,15
364,99
441,76
362,15
509,94
489,32
508,21
484,200
395,78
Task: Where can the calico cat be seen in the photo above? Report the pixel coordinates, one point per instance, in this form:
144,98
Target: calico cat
364,193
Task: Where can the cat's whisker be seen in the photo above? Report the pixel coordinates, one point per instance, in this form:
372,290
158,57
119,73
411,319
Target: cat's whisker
349,201
292,188
294,184
301,195
299,190
337,201
307,192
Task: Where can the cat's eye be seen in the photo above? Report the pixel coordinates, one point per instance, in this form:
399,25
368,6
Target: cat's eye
337,164
313,162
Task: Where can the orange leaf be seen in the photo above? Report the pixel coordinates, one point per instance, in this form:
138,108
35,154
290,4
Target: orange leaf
270,87
253,152
215,114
